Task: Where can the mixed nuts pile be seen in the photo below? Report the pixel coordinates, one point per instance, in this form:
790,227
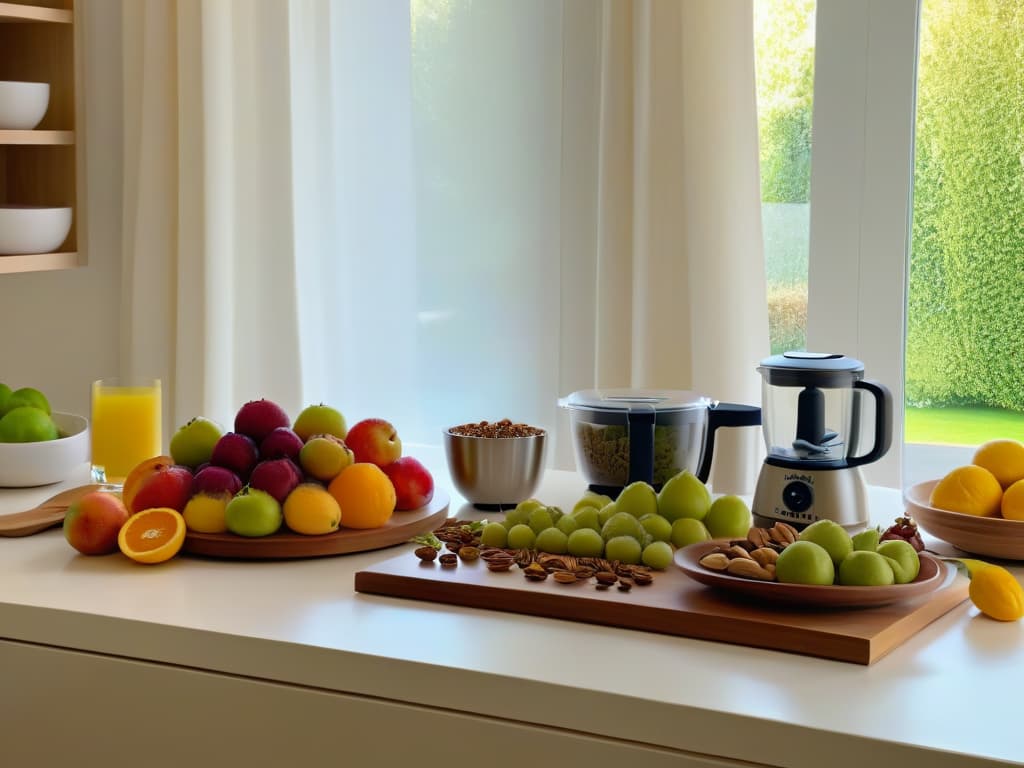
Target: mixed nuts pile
755,556
462,540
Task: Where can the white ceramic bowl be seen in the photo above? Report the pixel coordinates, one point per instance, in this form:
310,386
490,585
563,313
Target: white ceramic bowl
32,228
23,465
22,105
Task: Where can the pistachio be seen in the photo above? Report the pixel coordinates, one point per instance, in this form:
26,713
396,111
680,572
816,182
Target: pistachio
468,554
784,533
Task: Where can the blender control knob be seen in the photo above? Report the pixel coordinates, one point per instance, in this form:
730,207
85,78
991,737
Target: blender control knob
797,496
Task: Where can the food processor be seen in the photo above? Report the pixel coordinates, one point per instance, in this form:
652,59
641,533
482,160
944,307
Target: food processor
813,418
623,436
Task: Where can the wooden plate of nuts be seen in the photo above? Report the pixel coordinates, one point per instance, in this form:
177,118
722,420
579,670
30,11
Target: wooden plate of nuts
752,575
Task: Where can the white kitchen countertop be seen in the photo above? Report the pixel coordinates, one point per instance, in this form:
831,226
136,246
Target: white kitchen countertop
953,690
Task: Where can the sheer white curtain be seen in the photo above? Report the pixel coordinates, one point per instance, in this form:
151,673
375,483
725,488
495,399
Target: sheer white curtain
440,210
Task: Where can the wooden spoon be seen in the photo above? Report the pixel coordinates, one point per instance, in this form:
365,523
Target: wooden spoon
49,513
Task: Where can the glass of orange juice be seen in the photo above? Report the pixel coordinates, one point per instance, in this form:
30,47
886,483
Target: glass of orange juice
126,426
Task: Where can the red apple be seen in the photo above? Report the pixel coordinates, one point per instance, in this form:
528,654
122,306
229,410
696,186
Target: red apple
236,452
258,418
374,441
166,487
282,442
92,523
414,485
214,480
278,477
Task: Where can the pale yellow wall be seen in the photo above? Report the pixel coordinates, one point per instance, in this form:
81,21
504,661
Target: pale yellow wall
59,330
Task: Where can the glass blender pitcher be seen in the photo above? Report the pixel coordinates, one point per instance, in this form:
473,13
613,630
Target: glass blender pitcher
813,418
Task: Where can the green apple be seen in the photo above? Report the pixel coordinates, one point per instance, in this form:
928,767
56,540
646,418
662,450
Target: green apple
728,518
193,443
28,397
804,562
319,420
5,394
866,541
656,525
687,531
587,517
253,513
903,559
831,536
862,569
621,524
638,499
683,495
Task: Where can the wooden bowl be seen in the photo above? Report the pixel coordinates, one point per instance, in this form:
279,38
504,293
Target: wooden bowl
933,574
992,536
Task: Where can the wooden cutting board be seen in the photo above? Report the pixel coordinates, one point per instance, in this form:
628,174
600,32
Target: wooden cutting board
674,604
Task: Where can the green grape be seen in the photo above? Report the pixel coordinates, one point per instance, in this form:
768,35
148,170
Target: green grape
657,555
621,524
605,512
494,535
567,524
645,539
585,542
540,519
591,499
556,514
521,536
552,540
625,549
587,517
656,525
521,513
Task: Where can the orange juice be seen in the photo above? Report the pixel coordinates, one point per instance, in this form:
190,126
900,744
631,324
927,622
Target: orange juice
126,427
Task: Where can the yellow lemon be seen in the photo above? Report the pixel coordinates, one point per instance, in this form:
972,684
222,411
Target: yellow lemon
996,593
1003,458
311,510
1012,507
204,513
970,489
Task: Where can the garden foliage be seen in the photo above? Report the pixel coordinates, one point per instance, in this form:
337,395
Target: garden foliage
965,335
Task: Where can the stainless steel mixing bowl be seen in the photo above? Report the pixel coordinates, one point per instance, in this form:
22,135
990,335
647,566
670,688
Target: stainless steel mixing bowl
495,472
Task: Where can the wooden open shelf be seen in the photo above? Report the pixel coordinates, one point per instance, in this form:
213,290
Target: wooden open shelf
41,166
36,12
37,137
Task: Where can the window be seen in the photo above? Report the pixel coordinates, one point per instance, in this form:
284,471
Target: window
963,362
784,61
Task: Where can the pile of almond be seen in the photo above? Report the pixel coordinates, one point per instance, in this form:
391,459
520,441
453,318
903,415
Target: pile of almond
753,557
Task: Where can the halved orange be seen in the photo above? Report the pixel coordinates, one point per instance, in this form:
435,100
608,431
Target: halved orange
152,535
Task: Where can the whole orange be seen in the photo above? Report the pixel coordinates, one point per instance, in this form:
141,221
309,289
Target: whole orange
970,489
1003,458
364,494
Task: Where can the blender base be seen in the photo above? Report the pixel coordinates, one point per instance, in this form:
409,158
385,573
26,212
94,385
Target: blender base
802,496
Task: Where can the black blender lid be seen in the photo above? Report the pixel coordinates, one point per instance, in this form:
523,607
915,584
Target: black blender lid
821,369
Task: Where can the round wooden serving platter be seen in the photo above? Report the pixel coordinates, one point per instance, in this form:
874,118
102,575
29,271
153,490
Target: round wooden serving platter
285,544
